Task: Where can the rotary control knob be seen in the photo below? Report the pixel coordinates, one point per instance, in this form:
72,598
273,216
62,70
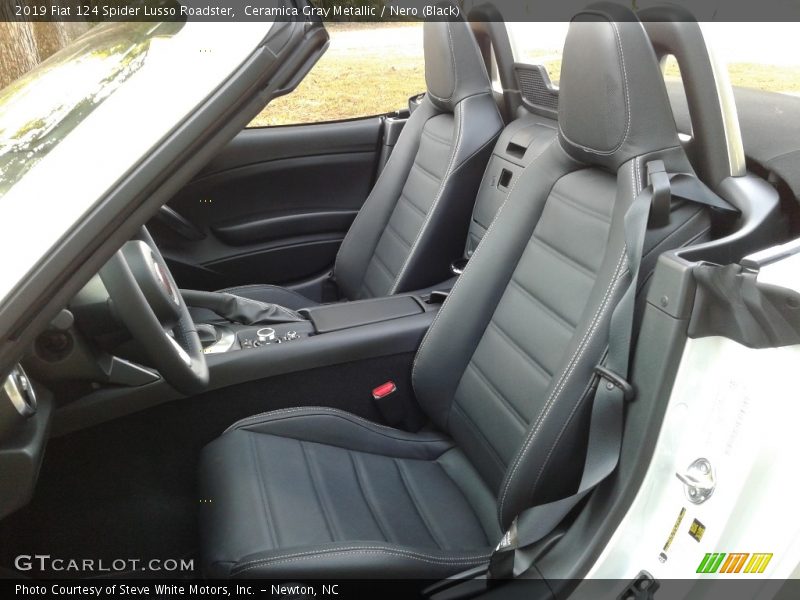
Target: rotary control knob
265,335
290,335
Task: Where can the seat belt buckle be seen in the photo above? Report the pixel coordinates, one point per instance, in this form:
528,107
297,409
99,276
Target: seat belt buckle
391,408
613,380
396,407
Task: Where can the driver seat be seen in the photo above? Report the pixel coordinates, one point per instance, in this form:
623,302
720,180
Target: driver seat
504,374
414,222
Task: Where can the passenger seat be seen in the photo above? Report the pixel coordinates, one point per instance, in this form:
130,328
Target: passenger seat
414,222
505,373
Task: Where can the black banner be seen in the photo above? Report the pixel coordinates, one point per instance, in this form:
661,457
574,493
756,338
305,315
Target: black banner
738,588
369,10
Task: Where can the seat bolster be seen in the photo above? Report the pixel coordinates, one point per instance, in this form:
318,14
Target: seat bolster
343,560
344,430
364,234
442,236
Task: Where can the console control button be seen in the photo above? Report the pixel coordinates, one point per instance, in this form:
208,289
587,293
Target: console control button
265,335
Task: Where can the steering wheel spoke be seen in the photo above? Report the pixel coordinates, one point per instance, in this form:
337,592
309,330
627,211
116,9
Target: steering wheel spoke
147,301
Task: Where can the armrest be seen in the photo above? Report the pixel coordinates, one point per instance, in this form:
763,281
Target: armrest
335,317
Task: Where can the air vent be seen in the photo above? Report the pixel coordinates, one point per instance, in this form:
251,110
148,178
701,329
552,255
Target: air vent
20,392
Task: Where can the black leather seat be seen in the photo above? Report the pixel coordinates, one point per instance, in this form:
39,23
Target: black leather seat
316,489
503,374
414,222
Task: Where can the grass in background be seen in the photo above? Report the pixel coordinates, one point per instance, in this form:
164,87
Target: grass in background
355,77
373,68
770,78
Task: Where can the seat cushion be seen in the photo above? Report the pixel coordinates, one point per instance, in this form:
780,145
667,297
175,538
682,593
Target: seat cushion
272,294
316,492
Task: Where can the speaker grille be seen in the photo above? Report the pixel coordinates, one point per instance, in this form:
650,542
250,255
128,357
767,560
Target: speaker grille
535,86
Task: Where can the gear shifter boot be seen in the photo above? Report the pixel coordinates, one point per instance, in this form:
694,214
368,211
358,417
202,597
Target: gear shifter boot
240,310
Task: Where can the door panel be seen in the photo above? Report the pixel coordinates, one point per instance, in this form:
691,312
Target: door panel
242,232
272,207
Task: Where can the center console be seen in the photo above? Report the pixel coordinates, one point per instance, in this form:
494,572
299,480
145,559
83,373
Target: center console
325,319
328,335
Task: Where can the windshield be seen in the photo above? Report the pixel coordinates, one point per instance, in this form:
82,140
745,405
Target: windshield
74,126
40,109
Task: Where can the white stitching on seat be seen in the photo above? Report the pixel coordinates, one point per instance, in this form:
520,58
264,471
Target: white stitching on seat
636,188
267,417
471,262
439,192
554,445
429,215
574,359
310,409
298,556
361,211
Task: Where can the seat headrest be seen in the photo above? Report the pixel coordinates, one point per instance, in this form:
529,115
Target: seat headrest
613,103
454,67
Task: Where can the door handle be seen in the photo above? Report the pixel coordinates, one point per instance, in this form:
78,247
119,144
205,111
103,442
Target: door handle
179,224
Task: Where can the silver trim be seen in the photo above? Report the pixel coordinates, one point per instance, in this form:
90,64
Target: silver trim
730,117
181,352
225,342
19,390
265,335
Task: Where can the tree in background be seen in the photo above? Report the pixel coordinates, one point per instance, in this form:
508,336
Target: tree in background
23,44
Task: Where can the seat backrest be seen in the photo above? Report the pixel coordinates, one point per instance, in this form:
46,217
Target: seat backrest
516,148
414,222
506,367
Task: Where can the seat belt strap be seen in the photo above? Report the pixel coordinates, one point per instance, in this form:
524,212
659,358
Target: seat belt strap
682,186
613,390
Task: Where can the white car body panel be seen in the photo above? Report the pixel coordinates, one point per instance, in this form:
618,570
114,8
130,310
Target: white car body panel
737,407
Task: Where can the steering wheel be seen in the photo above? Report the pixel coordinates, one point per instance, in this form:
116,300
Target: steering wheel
147,301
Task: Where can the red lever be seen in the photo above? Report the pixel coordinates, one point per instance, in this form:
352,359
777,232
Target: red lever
384,390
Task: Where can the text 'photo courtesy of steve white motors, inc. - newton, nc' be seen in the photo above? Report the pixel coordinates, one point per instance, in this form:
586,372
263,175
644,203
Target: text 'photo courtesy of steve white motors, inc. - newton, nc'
169,590
47,10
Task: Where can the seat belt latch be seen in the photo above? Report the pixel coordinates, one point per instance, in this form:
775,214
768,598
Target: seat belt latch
501,563
612,379
392,409
384,390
